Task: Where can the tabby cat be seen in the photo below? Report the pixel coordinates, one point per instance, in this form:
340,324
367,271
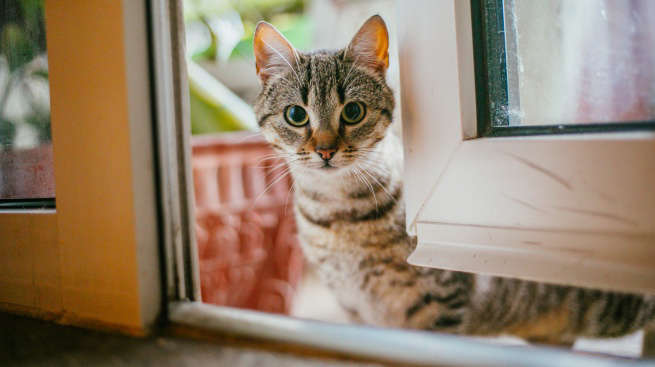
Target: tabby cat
328,114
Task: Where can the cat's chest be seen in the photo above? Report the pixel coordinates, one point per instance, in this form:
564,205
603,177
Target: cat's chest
348,241
339,271
332,251
340,251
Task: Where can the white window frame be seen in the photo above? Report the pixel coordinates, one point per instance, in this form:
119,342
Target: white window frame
574,209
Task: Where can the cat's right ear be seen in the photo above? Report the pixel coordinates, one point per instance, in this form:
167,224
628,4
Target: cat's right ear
273,52
370,46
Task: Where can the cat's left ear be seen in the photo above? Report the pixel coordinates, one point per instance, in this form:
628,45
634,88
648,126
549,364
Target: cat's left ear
370,46
273,52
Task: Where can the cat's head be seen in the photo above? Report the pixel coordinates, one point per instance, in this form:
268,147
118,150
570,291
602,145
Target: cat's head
324,110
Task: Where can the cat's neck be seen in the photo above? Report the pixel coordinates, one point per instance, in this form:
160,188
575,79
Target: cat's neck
382,168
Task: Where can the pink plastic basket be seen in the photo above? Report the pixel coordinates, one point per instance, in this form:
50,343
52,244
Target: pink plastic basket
247,246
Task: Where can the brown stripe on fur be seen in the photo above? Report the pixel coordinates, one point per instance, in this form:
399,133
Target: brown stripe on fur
309,218
304,88
379,211
400,267
619,313
453,300
263,119
352,216
546,327
289,136
371,261
363,130
447,321
367,262
385,112
402,283
382,182
396,239
312,195
367,276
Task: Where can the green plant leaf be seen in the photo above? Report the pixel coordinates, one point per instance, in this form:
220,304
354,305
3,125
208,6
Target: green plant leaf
41,123
16,46
7,132
214,107
41,73
32,11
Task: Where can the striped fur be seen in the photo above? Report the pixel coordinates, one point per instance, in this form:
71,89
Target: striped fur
351,222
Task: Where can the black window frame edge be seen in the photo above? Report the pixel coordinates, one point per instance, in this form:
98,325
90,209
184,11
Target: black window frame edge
491,82
32,203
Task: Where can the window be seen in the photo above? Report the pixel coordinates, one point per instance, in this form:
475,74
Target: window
561,66
26,167
564,208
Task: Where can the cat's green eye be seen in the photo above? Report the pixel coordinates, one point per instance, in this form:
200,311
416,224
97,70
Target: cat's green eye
353,112
296,115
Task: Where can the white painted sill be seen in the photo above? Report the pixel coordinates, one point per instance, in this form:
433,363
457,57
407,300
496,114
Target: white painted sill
392,345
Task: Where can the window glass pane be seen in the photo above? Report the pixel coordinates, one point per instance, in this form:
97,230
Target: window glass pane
579,61
25,142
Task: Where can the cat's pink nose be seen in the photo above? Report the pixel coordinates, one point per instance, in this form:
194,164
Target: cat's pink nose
326,153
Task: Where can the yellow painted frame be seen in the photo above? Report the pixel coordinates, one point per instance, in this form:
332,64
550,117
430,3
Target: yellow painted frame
93,260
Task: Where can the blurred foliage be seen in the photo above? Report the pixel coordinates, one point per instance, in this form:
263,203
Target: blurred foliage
22,30
220,31
219,25
22,42
7,132
296,28
214,108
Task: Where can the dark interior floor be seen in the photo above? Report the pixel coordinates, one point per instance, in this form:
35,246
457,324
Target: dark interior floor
29,342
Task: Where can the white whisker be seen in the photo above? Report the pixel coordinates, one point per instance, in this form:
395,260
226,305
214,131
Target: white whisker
284,173
379,184
352,66
268,157
286,202
248,137
283,58
368,184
